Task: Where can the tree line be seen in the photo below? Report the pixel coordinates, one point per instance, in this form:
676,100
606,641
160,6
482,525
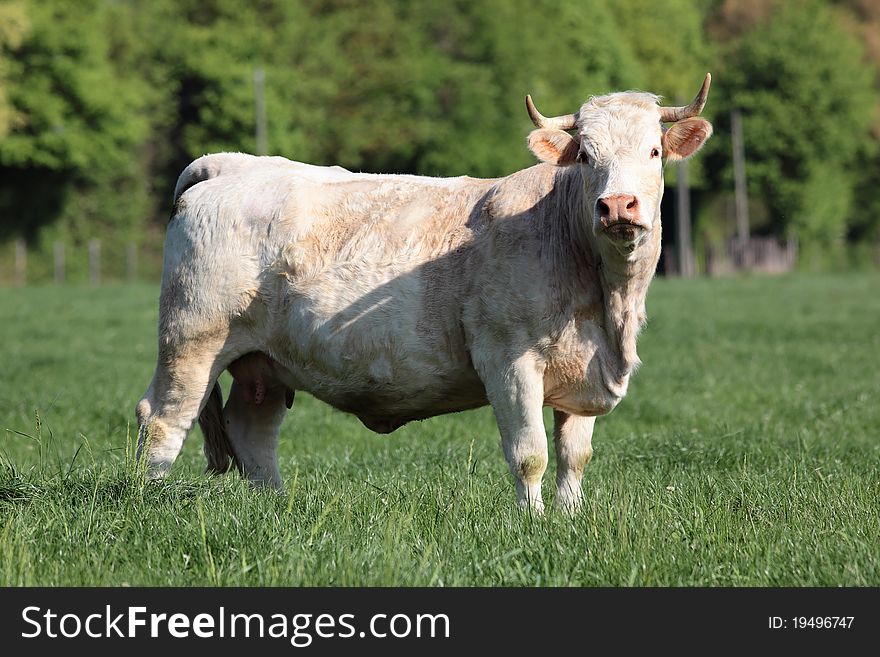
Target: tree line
102,103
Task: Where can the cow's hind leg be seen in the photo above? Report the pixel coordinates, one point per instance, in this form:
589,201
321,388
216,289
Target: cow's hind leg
253,423
184,377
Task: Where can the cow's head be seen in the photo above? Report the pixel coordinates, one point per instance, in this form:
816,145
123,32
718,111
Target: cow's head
619,143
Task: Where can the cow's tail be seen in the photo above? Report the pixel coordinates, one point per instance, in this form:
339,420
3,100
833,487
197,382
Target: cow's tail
218,449
211,166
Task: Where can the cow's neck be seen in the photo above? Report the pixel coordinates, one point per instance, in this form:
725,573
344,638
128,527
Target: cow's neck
617,284
624,288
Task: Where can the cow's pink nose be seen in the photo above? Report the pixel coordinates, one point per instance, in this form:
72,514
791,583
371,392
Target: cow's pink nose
618,208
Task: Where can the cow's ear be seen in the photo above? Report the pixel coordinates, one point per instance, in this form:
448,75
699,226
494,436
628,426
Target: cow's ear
685,138
555,147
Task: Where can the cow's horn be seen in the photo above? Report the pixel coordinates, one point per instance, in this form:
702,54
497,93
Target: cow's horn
670,114
564,122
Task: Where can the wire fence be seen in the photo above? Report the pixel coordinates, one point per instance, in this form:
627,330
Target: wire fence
93,262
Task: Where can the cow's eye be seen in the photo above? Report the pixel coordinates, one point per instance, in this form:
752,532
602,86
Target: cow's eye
655,152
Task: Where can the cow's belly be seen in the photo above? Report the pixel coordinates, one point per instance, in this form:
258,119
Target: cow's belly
372,350
384,404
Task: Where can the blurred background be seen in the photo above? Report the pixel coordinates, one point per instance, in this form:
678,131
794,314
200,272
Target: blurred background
103,102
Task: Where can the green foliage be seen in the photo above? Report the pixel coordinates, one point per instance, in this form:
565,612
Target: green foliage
491,54
13,27
807,102
102,104
669,42
79,112
67,167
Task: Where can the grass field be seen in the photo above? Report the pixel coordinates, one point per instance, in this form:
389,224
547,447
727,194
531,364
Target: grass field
747,453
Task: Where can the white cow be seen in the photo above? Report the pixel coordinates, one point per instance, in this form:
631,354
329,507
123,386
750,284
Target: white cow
397,298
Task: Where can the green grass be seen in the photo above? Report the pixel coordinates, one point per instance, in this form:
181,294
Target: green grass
746,453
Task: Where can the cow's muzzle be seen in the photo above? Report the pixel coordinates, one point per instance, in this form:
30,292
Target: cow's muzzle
624,231
620,216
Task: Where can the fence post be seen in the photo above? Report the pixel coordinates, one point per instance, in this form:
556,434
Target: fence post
260,111
131,261
58,251
20,262
683,225
95,262
739,177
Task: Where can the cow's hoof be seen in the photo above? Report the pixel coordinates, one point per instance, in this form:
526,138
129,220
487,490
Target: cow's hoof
535,507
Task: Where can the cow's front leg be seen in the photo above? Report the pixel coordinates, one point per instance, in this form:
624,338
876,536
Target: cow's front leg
573,439
516,392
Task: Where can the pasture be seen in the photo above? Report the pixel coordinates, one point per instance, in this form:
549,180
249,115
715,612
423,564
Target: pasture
746,453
